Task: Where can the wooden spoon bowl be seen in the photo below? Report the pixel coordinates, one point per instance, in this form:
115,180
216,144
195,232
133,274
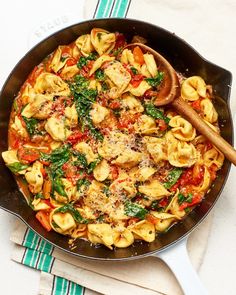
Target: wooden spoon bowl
169,93
170,87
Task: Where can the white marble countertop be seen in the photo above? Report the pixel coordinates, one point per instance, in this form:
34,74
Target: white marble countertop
18,19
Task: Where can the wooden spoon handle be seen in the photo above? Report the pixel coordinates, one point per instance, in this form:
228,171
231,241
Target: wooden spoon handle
186,111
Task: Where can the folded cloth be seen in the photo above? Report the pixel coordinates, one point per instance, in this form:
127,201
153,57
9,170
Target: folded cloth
145,276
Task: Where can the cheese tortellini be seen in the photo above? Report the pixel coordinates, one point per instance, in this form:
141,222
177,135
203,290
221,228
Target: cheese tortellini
209,111
193,88
35,178
51,84
84,44
181,153
102,40
182,129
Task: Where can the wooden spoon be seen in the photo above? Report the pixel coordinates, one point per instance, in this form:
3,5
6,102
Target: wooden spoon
170,94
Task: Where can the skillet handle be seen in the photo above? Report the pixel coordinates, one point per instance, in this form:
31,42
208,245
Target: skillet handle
178,261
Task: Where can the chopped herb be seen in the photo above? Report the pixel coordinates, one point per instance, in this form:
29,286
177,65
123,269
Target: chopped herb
189,198
75,213
154,112
173,177
187,210
81,81
181,199
82,182
134,210
31,125
134,71
99,75
83,60
17,167
156,81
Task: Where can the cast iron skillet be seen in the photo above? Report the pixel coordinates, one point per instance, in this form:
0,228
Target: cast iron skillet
185,60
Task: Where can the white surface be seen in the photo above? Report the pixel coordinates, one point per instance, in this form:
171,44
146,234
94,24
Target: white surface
17,20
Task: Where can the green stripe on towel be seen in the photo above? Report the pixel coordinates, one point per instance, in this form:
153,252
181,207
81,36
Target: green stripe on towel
62,286
33,241
120,8
104,8
40,261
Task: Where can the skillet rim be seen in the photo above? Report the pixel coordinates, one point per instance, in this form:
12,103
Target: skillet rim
227,101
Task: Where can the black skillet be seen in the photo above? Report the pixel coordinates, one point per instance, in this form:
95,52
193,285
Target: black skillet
185,60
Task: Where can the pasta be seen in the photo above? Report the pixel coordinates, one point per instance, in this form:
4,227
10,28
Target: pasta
99,160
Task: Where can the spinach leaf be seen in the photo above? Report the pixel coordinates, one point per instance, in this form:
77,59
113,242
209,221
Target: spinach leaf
17,167
81,160
93,165
95,132
58,186
173,177
104,86
63,58
155,206
134,71
39,196
84,98
75,213
15,105
31,125
134,210
156,81
99,75
100,219
117,51
84,60
54,224
82,182
106,191
58,157
154,112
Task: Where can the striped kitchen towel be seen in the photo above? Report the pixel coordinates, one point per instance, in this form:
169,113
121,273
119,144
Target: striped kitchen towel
62,273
